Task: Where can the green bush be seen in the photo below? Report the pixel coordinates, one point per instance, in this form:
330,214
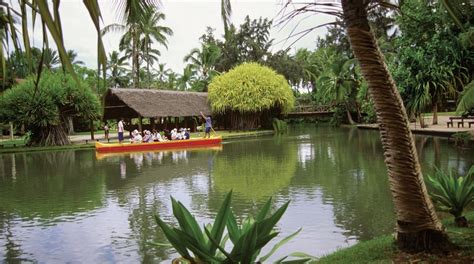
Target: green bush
44,111
250,87
453,193
249,93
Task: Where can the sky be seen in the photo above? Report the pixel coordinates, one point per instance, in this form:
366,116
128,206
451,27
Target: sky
188,19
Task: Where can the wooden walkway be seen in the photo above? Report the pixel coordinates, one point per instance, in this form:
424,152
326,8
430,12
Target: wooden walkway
440,130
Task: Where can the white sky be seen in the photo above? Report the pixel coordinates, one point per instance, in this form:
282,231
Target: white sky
188,19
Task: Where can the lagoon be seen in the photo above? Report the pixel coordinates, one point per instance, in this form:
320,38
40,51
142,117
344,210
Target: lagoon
76,206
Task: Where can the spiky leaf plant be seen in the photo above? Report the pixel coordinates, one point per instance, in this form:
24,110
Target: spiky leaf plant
453,193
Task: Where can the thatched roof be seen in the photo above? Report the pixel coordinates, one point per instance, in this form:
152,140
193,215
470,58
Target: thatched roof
132,103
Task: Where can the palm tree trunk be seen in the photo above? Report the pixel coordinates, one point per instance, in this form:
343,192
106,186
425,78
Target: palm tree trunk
418,227
135,69
435,113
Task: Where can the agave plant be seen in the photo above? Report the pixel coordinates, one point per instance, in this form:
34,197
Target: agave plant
207,245
453,193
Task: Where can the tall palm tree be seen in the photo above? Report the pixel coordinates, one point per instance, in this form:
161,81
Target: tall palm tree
418,227
151,32
134,14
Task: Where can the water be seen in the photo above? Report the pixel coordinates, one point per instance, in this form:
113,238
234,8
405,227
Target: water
76,207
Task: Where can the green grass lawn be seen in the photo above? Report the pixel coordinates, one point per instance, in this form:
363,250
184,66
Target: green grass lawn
383,250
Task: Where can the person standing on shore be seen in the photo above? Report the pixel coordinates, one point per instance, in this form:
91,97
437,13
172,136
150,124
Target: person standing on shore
106,130
208,125
120,130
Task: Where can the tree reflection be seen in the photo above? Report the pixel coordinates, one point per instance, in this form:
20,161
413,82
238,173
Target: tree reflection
61,185
255,171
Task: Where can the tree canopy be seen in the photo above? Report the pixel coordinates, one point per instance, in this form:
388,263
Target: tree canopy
250,87
43,111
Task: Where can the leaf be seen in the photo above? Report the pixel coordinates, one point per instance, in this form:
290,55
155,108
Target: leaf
265,209
279,244
220,222
220,247
186,221
172,237
268,224
232,228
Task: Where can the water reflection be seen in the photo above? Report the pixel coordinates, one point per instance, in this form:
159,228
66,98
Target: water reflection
76,206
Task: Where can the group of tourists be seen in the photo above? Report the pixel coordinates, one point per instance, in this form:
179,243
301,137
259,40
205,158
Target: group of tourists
155,136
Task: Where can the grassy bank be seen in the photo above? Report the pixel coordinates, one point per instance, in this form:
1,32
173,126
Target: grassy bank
383,250
18,145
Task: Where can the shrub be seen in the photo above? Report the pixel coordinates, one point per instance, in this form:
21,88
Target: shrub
208,244
247,91
44,111
453,193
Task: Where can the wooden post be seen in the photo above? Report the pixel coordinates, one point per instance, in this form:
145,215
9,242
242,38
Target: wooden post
186,122
92,129
152,123
176,122
11,131
140,124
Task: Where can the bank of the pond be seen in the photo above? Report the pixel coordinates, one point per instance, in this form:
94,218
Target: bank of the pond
84,141
383,250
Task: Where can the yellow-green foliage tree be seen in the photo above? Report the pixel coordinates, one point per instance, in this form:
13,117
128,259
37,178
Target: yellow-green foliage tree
250,95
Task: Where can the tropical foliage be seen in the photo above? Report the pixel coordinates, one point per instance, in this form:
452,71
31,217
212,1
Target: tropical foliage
44,111
453,193
248,90
208,244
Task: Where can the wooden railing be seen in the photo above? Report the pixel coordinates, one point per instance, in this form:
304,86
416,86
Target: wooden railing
311,108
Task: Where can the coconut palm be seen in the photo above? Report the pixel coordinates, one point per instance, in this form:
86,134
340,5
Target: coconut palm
151,32
50,59
117,70
162,72
72,55
185,80
134,16
418,227
204,60
338,82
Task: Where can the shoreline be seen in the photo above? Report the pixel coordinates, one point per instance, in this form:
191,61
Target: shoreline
78,143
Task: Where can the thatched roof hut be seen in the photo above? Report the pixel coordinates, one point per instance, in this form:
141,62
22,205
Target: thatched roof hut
133,103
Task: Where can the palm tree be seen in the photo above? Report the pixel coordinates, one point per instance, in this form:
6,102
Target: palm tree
72,55
162,72
134,14
150,32
50,59
117,70
418,227
338,83
204,60
185,80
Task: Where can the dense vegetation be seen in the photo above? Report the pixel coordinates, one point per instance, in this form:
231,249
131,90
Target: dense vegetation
248,92
44,110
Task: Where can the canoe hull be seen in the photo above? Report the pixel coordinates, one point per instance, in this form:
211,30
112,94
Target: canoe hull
174,144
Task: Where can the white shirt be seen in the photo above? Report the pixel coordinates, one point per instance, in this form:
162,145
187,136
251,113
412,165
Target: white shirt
120,126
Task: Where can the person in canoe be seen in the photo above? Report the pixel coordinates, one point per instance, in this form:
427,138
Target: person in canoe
208,125
136,137
148,137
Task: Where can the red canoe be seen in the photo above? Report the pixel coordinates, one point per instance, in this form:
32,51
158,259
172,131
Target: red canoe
173,144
